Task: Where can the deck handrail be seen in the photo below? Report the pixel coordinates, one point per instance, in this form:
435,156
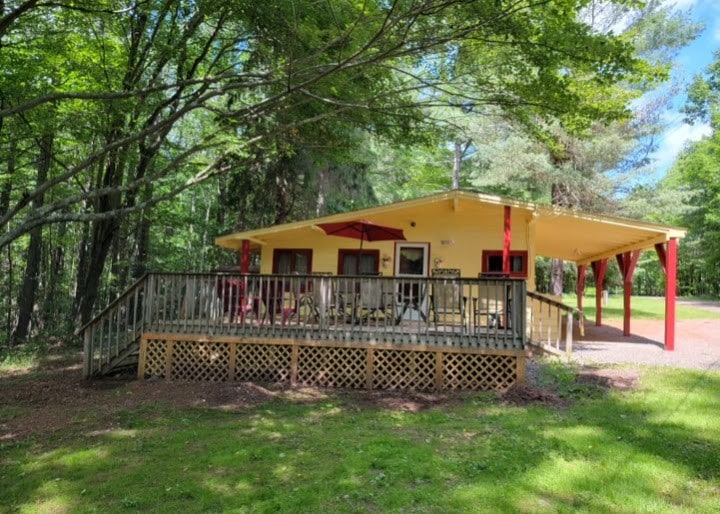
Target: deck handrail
490,312
546,327
130,289
113,331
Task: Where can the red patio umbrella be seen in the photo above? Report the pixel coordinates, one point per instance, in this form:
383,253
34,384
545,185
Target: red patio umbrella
363,230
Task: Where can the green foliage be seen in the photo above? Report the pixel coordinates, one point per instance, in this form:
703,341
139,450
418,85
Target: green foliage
175,121
697,175
562,378
654,448
651,308
22,357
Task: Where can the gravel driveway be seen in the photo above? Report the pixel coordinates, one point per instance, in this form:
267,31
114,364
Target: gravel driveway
697,344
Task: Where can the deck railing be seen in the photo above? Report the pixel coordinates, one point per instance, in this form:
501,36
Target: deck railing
551,325
458,312
114,333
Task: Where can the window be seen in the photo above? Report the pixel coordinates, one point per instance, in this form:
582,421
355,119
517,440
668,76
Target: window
411,259
348,262
492,263
286,261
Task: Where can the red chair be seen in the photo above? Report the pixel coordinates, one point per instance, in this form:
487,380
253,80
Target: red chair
235,303
279,299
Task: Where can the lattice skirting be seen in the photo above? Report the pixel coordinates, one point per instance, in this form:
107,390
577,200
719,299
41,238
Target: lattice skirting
324,364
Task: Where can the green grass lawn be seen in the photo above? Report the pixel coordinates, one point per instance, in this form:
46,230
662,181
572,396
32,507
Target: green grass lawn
643,307
654,449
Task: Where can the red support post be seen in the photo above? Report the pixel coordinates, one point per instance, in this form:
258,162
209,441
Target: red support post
627,262
245,256
599,268
662,255
506,241
670,293
581,285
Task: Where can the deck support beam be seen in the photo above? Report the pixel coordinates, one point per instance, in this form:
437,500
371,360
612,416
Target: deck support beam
627,262
599,268
668,260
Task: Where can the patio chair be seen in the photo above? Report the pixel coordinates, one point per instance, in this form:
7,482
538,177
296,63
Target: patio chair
278,298
448,305
492,308
323,301
235,302
374,301
411,300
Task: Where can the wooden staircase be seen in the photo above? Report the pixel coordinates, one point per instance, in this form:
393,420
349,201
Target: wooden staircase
112,338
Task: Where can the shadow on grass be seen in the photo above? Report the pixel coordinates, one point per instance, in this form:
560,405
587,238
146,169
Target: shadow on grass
651,448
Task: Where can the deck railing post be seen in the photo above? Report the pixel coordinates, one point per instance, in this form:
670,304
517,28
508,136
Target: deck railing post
142,358
370,368
149,300
569,334
88,349
169,347
294,357
439,372
232,361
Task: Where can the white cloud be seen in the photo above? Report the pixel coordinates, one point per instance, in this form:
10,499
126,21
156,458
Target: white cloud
675,140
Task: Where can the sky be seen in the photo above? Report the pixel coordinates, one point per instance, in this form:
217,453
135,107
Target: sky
691,61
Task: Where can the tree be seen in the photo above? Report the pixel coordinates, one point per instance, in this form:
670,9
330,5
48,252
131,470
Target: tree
147,101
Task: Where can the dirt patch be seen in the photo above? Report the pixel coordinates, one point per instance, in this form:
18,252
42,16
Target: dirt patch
523,395
603,378
608,378
410,401
55,397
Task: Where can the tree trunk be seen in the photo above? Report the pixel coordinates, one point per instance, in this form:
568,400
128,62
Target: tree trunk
142,237
103,233
102,239
53,310
82,267
557,277
457,161
7,272
31,278
7,185
323,181
560,195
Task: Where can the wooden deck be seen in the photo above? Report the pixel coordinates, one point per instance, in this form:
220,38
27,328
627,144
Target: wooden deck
342,331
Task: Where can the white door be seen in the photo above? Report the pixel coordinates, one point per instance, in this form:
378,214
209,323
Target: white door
412,260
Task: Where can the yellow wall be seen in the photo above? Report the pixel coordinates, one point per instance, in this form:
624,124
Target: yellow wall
467,229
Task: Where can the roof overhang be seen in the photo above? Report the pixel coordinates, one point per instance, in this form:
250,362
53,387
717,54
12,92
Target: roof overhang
562,233
583,237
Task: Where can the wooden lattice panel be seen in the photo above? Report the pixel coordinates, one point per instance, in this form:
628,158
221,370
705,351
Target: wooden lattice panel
324,365
473,371
155,358
204,361
263,363
399,369
332,367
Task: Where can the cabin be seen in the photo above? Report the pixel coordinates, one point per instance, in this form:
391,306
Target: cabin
432,293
